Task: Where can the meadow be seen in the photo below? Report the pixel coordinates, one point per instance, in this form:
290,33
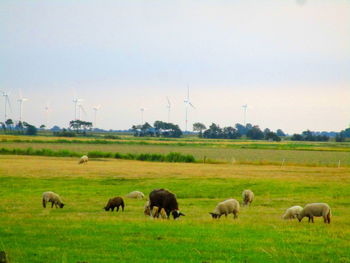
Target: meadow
229,151
83,232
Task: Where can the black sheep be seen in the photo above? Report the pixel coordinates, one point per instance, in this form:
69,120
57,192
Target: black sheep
162,198
115,202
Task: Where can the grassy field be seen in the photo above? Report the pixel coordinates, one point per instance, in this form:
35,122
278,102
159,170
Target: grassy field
222,154
83,231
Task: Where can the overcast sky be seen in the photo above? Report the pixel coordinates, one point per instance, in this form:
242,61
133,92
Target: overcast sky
288,60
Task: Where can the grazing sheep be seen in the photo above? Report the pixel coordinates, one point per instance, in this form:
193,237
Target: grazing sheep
316,209
248,197
83,159
226,207
135,195
115,202
163,198
53,198
155,211
292,212
147,210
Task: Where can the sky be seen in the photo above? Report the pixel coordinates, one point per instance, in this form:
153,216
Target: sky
289,61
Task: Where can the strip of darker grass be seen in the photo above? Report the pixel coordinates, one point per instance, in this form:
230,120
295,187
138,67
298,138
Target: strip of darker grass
150,157
334,147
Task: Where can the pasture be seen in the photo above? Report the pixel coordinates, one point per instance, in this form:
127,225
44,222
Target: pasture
229,151
83,231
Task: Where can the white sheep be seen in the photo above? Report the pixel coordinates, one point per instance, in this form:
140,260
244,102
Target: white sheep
230,206
248,197
53,198
135,195
316,209
292,212
83,159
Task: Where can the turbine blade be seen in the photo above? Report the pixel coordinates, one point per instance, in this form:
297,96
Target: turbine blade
8,103
191,105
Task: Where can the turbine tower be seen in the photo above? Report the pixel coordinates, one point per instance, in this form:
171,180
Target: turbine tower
187,103
76,101
20,101
142,111
47,110
81,109
96,108
168,107
245,106
7,102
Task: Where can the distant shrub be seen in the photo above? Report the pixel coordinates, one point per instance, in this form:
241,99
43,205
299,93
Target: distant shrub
110,136
64,133
150,157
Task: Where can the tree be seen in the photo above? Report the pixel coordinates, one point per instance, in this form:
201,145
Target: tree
241,129
272,136
231,133
199,127
280,133
255,133
296,137
340,137
214,131
42,126
9,123
31,130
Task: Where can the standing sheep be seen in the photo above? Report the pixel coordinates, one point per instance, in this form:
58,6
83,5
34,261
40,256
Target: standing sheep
83,159
135,195
248,197
164,199
316,209
230,206
53,198
292,212
114,202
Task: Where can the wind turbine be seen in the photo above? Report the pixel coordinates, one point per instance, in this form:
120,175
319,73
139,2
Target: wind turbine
21,100
187,103
81,109
7,102
47,110
142,111
245,106
96,108
168,107
76,102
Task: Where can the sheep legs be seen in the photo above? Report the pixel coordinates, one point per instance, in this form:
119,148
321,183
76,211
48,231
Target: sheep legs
311,218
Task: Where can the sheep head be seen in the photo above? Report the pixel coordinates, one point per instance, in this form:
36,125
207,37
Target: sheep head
61,205
176,214
213,215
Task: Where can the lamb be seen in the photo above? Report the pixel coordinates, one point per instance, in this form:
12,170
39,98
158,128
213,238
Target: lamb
53,198
147,210
248,197
135,195
155,211
83,159
292,212
114,202
316,209
163,198
226,207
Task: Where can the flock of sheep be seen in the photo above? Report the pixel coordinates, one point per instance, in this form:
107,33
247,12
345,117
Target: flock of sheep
162,203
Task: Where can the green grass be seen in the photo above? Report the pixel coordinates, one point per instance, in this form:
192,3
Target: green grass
83,231
223,154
